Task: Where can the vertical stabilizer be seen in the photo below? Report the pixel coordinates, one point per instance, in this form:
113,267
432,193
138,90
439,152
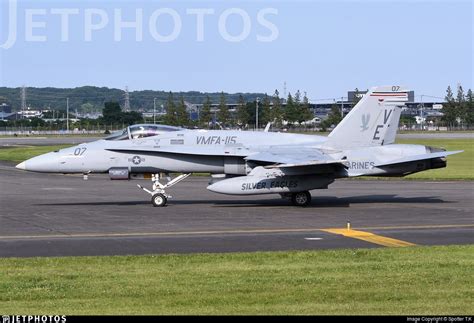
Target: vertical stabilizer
373,121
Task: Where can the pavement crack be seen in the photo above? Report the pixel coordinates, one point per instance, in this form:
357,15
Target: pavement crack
37,226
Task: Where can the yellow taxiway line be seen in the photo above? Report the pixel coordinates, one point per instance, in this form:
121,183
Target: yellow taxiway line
224,232
370,237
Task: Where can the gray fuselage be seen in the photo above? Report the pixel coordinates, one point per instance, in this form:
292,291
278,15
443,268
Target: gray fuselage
210,151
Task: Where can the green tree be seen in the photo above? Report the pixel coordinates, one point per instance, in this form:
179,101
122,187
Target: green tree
357,97
223,115
291,112
469,108
37,123
112,113
182,117
264,113
171,117
242,113
407,121
277,113
205,116
130,118
87,107
333,118
461,106
305,111
449,108
251,110
297,100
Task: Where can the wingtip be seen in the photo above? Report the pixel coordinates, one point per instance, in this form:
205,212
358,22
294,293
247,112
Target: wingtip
454,152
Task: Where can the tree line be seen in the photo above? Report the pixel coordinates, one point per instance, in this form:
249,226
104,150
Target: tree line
270,109
87,99
458,111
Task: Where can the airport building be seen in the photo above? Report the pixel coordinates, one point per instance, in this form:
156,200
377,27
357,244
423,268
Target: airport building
6,113
321,110
5,108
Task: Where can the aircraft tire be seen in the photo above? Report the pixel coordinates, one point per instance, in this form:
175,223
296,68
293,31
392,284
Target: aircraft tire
159,200
301,199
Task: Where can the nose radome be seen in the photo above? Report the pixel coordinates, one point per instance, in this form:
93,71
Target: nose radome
21,166
47,163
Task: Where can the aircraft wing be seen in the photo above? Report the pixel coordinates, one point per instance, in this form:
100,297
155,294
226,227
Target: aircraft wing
275,156
294,157
418,157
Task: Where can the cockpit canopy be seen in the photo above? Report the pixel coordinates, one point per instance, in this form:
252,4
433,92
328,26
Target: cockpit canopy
142,131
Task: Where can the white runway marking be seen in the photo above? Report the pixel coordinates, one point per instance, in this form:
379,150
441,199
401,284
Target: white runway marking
58,189
313,239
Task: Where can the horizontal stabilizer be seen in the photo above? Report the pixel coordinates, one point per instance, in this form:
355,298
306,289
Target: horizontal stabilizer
418,157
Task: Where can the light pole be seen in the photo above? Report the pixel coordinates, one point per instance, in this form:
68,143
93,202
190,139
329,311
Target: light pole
154,110
67,115
342,108
256,113
422,106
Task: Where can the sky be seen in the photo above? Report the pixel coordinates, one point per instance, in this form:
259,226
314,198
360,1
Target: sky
324,48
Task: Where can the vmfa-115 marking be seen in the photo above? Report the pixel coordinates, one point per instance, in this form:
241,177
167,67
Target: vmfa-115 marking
250,163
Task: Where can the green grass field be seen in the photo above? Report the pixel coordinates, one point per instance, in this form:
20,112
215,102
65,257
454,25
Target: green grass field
19,154
71,135
460,166
415,280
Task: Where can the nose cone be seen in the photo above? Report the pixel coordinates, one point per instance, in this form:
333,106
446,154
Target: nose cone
21,166
230,186
47,163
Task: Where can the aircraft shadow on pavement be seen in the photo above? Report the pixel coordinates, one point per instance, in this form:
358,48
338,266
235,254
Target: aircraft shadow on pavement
318,202
111,203
374,199
329,201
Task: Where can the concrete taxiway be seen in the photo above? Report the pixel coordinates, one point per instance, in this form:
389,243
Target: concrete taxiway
56,215
6,142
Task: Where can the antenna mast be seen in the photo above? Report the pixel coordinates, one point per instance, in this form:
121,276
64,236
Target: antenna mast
23,101
127,100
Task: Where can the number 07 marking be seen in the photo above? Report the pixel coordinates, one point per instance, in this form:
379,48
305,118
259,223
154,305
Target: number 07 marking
395,88
79,151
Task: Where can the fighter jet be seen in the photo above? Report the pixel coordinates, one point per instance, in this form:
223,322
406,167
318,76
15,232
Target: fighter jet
254,163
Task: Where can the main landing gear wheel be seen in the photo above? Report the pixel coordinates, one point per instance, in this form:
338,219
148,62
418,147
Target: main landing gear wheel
159,200
302,199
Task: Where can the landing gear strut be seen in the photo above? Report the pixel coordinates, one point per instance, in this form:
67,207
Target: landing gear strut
159,197
302,199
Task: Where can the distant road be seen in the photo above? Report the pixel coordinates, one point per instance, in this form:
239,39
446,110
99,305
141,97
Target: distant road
75,140
44,141
437,135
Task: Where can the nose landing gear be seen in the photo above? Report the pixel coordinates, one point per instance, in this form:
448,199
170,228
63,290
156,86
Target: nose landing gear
159,198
